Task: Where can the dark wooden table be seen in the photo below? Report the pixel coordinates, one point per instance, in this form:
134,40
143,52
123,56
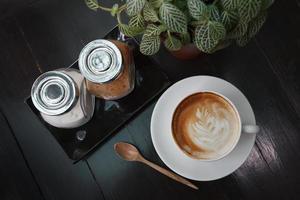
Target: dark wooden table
40,35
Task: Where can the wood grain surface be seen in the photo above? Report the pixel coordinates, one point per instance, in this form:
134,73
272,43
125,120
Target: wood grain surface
44,35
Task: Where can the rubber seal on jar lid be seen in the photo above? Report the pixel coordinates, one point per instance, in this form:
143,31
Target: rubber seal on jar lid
53,93
100,61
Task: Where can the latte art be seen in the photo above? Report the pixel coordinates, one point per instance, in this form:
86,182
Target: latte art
205,125
209,131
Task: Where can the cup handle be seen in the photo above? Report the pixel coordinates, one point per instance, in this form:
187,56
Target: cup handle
250,129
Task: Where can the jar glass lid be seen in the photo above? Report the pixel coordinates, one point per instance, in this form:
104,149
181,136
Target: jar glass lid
100,61
53,93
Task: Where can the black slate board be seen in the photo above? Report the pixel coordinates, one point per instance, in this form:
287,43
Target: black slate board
109,116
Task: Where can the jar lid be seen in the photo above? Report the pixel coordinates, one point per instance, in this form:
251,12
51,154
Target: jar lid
100,61
53,93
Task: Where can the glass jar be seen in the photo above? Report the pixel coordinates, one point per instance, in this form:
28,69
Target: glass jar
62,98
108,67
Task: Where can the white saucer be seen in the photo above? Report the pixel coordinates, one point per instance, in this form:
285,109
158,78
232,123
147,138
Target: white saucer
166,147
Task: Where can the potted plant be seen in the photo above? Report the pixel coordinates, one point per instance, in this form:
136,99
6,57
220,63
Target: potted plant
189,27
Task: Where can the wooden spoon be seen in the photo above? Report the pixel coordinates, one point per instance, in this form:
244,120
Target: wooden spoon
130,153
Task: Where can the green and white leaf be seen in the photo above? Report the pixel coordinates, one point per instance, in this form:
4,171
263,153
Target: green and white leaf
172,43
129,30
248,9
265,4
185,38
155,30
218,30
238,31
213,13
173,18
92,4
150,14
156,3
230,4
137,21
197,8
149,45
207,45
256,23
229,19
208,35
134,6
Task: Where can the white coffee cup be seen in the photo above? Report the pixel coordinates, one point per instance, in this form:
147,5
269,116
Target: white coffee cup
243,128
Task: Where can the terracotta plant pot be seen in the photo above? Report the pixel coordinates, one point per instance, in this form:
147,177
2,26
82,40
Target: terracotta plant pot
187,52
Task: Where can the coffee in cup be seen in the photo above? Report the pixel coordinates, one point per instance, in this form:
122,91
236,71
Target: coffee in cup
206,126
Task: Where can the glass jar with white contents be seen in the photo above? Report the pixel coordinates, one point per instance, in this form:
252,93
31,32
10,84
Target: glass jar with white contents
62,98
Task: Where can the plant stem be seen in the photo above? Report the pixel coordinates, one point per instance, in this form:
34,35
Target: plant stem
119,17
123,7
169,35
110,9
104,8
120,9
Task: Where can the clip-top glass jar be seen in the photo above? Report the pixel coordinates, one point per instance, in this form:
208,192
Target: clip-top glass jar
108,67
62,98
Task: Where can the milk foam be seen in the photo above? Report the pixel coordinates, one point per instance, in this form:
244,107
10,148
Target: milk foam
210,131
211,127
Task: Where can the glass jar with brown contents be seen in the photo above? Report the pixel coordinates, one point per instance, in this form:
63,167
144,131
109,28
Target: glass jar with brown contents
108,67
